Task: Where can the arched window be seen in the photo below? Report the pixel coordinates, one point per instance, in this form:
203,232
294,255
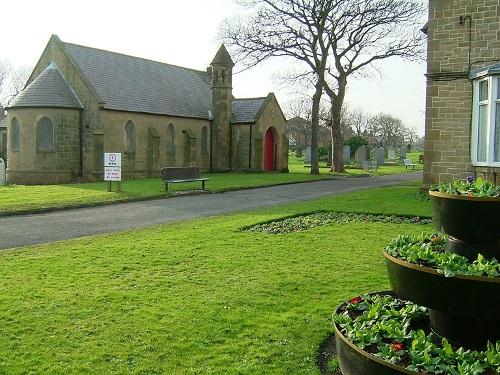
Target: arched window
170,139
15,137
204,140
44,134
130,137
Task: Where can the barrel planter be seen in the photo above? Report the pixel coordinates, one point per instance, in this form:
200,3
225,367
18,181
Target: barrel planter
464,309
471,223
356,361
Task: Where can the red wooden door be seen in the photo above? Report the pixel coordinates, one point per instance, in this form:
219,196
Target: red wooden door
269,155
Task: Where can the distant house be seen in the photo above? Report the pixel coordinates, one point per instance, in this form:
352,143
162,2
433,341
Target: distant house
81,102
463,90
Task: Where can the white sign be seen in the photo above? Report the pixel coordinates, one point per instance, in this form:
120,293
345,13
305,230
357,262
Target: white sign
112,166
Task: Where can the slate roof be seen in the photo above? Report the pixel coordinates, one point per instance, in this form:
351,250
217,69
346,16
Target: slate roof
134,84
245,110
49,89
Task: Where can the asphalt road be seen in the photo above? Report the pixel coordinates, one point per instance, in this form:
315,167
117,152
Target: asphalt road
16,231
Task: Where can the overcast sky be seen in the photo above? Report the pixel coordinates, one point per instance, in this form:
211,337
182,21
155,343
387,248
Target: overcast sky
185,33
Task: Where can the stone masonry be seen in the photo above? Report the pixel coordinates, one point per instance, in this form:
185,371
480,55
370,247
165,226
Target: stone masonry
462,35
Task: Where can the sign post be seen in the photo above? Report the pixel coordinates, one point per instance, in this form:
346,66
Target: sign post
113,169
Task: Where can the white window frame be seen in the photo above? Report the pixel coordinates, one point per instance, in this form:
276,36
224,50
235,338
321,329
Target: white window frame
492,101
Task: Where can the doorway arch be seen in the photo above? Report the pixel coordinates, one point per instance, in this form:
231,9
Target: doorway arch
270,150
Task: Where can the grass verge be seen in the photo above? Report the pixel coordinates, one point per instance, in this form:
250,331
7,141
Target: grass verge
198,297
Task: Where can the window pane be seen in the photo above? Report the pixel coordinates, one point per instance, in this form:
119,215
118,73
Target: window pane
482,133
45,134
497,133
483,90
16,135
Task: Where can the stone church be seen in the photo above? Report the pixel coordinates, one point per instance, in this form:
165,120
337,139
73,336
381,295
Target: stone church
462,124
81,102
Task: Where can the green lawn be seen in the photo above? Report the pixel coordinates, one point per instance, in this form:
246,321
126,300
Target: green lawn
21,198
198,297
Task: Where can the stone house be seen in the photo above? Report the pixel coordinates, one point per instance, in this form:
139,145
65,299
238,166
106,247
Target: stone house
462,125
81,102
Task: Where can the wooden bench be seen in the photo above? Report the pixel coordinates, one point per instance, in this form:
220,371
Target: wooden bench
182,174
408,163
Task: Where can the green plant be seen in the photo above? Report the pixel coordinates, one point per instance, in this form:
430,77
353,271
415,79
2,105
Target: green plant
355,142
431,251
385,326
309,221
469,187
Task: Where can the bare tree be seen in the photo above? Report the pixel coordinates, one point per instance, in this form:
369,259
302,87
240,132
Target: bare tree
12,80
390,129
4,73
290,28
360,33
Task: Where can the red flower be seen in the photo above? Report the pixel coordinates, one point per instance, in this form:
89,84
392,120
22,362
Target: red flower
355,300
397,346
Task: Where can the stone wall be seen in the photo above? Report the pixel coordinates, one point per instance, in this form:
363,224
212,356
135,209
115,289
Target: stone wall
271,116
92,131
31,165
449,91
3,143
151,142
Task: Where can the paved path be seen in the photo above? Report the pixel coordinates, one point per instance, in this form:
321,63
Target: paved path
25,230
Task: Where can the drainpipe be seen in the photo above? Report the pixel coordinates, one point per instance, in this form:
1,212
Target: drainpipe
80,129
230,146
250,149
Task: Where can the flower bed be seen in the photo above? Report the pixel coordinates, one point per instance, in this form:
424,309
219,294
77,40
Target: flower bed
313,220
430,251
397,332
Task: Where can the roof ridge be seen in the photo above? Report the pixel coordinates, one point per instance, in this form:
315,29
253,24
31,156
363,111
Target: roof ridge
258,97
135,57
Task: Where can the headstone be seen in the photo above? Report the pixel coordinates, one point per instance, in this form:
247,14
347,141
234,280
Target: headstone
391,153
402,152
2,172
380,155
346,155
307,157
360,155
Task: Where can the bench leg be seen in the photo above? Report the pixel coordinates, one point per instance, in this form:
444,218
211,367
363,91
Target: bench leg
166,187
202,185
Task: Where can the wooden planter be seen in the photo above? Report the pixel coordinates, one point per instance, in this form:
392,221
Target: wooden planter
464,309
471,223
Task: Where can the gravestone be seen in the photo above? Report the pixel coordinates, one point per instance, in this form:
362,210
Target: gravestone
402,152
391,153
380,155
346,154
2,172
360,155
307,157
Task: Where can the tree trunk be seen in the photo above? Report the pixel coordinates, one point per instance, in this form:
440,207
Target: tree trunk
314,128
337,139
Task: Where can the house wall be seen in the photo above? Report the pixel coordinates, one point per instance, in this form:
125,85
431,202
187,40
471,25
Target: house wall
3,143
151,138
271,116
449,91
30,165
92,130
